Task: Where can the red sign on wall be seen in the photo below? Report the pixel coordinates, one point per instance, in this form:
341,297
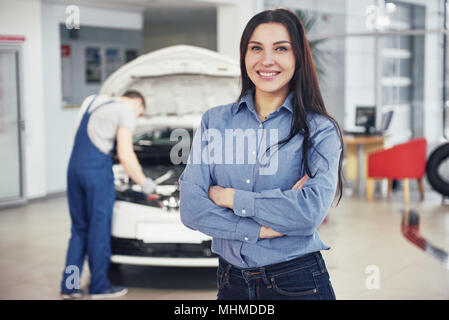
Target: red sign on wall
65,50
11,38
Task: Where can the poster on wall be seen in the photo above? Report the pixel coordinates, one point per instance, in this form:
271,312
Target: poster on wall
66,72
113,61
93,65
130,54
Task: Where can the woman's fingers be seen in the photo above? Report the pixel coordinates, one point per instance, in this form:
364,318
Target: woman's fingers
300,182
268,233
212,193
223,197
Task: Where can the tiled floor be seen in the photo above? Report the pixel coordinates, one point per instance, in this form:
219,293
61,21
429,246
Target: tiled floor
366,241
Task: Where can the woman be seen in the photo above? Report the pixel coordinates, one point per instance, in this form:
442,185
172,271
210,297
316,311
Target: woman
263,214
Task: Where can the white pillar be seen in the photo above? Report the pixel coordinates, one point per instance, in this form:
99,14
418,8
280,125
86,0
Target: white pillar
228,30
231,20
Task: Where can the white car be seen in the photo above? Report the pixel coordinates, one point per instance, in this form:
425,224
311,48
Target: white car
179,83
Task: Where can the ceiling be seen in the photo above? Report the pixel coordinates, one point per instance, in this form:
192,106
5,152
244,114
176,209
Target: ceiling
144,4
157,10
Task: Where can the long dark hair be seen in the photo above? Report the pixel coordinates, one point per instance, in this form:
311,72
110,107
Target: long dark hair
307,95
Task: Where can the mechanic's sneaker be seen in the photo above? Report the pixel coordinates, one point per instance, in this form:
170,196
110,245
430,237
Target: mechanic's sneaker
75,294
113,292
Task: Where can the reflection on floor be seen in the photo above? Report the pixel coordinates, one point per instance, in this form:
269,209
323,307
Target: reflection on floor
410,230
366,239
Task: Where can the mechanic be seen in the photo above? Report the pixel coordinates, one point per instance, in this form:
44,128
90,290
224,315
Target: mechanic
90,188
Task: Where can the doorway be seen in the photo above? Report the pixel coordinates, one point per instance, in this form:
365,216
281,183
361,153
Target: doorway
11,127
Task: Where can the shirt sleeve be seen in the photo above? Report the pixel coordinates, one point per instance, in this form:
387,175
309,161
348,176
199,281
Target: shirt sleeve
298,212
200,213
127,118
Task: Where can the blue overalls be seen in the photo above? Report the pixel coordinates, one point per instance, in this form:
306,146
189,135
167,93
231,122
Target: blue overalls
91,196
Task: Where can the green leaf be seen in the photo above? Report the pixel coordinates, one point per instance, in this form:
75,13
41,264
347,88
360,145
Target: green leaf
318,55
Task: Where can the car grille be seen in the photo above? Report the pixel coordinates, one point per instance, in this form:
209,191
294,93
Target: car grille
134,247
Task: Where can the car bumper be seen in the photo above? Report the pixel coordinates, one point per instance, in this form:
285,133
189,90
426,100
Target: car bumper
165,262
133,251
143,235
151,225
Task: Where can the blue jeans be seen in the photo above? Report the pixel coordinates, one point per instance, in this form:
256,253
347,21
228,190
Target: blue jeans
303,278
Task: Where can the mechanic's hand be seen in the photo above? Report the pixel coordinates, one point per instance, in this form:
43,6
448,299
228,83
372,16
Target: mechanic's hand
268,233
153,196
148,186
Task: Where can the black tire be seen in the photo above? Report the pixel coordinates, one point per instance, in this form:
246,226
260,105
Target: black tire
437,157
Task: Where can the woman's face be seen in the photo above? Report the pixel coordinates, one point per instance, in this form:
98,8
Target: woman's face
269,59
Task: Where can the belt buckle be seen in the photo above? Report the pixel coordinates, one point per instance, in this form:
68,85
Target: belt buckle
249,274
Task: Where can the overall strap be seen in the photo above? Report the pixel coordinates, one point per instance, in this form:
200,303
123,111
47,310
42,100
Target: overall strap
91,103
101,105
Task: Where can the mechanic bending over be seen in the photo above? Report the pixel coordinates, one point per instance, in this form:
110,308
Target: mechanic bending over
90,187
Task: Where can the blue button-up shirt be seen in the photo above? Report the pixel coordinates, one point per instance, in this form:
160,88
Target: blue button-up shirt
230,150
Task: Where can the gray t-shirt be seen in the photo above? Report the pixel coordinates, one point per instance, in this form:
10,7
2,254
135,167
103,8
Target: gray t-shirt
104,122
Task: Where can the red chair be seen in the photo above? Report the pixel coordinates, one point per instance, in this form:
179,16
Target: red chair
401,162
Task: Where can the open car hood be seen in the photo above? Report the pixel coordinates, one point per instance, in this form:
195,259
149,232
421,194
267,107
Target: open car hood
179,83
178,80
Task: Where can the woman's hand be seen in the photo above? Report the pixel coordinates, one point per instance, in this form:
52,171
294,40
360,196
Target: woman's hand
300,182
222,197
268,233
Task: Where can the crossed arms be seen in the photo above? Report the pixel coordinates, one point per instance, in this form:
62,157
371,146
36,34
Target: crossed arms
234,214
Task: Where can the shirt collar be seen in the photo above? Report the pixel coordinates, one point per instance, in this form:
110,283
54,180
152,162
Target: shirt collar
248,100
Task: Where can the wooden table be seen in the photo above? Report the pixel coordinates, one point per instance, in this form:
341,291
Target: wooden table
357,149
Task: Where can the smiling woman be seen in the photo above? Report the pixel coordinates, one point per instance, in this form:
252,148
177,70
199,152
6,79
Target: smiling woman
264,223
270,64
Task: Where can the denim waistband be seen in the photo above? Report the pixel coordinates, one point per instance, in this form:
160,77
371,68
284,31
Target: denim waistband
275,269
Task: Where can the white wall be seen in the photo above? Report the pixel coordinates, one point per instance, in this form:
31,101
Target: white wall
23,17
60,123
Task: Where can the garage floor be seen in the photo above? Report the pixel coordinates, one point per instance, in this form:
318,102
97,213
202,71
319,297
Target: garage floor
366,241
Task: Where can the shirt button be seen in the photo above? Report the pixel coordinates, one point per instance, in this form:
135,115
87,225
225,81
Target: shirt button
254,152
243,211
260,126
248,181
246,239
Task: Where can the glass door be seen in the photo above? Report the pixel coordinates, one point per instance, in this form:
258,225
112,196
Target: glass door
11,125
